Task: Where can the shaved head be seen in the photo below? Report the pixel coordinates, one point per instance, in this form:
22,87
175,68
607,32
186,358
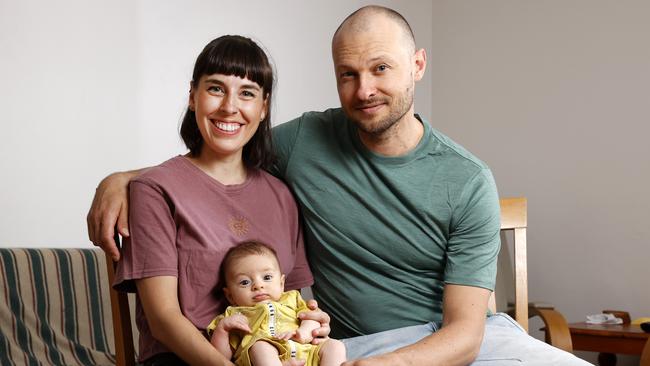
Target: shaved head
363,19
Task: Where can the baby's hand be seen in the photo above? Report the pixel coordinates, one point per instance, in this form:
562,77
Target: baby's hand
235,322
303,336
285,335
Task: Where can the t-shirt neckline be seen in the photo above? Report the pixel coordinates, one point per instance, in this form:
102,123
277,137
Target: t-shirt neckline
416,152
230,188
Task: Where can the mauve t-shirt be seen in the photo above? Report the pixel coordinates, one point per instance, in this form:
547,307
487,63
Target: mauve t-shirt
182,222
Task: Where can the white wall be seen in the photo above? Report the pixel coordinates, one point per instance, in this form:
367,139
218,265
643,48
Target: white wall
91,87
555,97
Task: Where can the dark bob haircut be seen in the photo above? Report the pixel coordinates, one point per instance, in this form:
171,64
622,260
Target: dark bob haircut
238,56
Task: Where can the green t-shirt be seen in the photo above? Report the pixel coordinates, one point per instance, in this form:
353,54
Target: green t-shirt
384,234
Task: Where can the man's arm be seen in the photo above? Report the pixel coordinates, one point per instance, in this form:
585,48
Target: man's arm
456,343
170,327
110,206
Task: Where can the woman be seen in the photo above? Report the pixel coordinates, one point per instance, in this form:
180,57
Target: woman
187,212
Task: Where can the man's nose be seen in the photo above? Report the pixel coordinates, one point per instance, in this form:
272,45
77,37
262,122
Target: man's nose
366,88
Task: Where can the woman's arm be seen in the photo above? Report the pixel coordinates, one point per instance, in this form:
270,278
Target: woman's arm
221,335
170,327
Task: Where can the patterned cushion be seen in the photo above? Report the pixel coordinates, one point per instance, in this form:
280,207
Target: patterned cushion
55,307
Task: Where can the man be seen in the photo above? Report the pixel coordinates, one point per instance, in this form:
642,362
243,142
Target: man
402,224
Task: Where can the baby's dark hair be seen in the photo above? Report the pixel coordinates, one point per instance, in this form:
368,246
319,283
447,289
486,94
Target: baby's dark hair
244,249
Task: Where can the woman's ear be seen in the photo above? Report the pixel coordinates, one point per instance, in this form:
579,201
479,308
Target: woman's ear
265,108
190,102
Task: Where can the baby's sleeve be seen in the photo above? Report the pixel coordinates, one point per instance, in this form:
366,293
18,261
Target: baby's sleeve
213,324
300,304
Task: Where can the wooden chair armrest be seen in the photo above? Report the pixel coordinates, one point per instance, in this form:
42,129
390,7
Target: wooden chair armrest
557,328
645,355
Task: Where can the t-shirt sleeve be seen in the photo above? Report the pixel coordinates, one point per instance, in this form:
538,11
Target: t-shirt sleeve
284,139
300,276
474,240
150,250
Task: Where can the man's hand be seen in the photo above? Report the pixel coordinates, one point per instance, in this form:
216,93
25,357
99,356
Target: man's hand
320,334
110,206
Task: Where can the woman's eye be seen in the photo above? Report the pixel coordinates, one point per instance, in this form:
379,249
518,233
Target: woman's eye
268,277
215,89
248,94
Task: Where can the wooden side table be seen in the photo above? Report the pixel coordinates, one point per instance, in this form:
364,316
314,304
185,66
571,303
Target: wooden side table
608,340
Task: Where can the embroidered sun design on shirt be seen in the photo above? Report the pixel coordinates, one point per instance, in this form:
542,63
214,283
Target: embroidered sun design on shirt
238,225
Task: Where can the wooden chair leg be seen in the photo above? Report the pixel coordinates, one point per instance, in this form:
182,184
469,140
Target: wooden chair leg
124,350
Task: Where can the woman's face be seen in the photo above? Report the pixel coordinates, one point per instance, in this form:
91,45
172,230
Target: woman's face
228,111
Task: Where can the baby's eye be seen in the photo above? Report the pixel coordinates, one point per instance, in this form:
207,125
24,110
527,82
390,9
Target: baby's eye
244,282
268,277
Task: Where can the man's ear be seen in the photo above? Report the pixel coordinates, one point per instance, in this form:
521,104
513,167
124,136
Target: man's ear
228,295
420,61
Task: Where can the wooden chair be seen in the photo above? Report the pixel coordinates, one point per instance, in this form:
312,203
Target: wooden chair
514,217
124,350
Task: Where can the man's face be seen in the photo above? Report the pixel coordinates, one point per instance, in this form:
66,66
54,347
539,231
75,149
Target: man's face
375,74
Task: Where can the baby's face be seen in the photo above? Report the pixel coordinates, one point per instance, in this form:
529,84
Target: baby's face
253,279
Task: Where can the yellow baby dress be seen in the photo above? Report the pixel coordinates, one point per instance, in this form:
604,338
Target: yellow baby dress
266,319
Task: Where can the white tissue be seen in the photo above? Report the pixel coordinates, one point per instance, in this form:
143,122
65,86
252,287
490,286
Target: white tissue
603,319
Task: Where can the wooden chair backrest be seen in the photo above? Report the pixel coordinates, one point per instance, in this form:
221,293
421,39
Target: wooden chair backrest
124,350
514,217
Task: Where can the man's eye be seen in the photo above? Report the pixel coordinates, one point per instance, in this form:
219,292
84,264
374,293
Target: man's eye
382,67
347,74
268,277
244,282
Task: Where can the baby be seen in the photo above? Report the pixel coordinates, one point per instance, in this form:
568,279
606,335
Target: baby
262,326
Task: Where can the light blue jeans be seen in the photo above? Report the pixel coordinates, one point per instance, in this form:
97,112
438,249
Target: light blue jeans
504,343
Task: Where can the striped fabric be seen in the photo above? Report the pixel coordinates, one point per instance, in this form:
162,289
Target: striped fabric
54,307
